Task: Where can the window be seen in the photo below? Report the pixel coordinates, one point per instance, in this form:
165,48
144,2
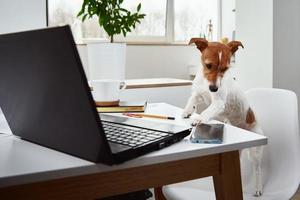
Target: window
192,19
62,12
166,20
154,23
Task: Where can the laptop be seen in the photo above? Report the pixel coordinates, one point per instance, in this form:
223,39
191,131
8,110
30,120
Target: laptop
46,99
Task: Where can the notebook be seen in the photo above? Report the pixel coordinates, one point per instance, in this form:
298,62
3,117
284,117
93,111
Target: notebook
124,106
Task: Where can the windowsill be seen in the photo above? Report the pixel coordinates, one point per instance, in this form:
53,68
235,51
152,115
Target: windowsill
139,43
158,43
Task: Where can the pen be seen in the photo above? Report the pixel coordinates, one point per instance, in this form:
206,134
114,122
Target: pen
140,115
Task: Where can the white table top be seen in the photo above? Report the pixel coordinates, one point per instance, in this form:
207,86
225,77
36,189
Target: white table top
24,162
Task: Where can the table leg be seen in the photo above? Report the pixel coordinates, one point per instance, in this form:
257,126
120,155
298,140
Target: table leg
158,193
227,183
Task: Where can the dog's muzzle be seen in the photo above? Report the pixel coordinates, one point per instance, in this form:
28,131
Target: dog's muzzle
213,88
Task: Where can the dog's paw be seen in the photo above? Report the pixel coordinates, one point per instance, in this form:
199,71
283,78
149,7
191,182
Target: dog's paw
258,193
186,114
198,119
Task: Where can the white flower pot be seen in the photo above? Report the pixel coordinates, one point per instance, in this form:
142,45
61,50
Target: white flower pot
106,60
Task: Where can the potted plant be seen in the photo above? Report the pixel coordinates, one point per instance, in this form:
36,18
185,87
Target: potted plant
114,19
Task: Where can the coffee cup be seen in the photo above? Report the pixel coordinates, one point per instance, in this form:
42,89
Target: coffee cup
107,92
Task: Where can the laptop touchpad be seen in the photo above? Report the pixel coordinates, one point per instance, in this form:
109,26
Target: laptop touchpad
115,148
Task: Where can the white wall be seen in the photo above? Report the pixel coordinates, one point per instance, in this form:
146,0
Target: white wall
160,61
20,15
254,26
287,45
154,61
228,18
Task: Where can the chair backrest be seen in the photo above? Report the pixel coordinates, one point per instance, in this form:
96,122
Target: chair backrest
276,111
4,128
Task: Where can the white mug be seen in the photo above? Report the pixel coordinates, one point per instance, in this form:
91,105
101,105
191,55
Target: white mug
107,90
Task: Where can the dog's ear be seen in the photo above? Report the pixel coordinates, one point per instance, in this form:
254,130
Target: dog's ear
234,46
201,43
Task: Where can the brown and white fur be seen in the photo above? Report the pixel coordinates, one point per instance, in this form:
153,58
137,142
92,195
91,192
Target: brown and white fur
217,96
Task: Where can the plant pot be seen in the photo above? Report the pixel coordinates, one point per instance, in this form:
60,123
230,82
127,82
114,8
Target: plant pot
106,60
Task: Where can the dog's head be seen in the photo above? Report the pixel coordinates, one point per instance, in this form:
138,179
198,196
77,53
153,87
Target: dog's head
215,59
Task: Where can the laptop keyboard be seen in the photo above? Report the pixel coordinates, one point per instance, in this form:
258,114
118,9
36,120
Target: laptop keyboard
130,136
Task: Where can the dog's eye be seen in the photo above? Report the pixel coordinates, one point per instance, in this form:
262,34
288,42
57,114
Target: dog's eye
208,66
223,69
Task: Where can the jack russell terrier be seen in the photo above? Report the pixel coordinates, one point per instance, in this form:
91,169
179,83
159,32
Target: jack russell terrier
216,96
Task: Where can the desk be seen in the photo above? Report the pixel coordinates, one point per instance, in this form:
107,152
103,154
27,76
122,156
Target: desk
158,90
30,171
156,83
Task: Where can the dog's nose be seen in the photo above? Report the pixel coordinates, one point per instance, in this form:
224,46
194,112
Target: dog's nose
213,88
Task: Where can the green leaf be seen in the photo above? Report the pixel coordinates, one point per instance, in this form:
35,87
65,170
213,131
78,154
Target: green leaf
139,7
124,32
123,10
80,12
84,17
127,29
141,16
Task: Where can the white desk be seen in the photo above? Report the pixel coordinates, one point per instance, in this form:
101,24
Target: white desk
23,162
170,90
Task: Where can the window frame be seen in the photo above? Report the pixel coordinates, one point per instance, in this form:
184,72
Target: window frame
169,37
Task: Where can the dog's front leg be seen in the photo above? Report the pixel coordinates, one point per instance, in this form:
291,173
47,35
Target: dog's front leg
215,108
190,106
196,103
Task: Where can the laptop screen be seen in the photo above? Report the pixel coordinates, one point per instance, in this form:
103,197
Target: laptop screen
44,93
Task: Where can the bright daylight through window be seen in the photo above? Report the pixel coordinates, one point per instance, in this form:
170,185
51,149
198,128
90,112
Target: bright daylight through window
165,21
193,19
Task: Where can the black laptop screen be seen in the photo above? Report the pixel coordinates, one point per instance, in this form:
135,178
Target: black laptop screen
44,93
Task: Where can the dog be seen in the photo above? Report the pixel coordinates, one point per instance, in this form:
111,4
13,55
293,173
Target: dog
215,95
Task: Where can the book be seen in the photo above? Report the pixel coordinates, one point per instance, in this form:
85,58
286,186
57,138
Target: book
124,106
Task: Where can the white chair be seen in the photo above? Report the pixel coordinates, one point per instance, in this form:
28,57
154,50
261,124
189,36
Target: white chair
4,128
277,113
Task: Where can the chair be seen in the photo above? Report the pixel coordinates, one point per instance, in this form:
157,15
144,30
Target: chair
4,128
277,113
